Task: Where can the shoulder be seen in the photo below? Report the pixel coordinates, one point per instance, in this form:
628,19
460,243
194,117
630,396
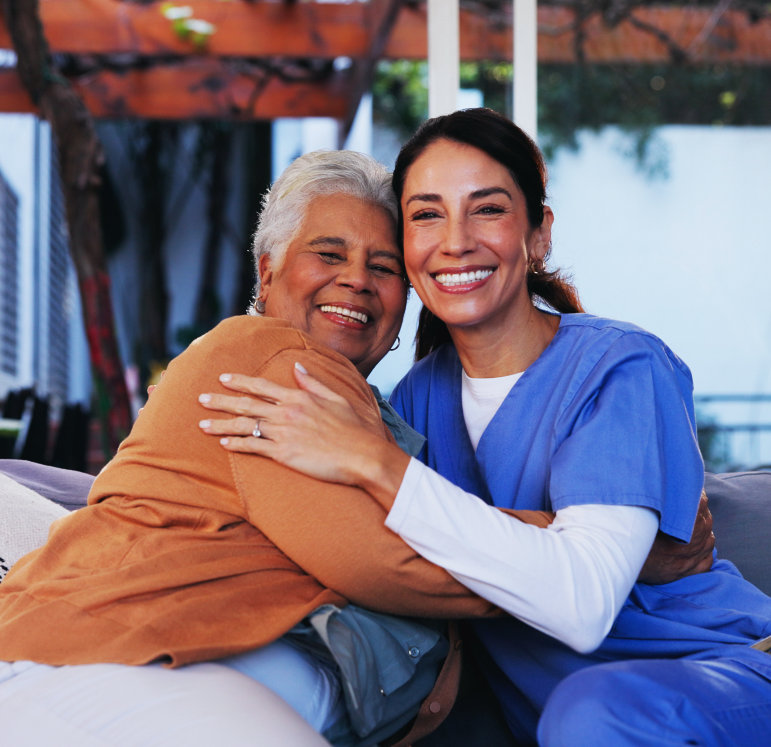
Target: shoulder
601,328
259,338
611,342
245,329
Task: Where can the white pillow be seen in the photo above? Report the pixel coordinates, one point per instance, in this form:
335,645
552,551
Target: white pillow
25,517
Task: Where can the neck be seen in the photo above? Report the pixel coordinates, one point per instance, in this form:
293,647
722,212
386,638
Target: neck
486,354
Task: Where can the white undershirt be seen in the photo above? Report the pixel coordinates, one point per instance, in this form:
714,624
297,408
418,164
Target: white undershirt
481,399
568,580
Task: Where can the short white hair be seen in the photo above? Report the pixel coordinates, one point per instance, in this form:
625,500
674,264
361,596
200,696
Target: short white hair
321,172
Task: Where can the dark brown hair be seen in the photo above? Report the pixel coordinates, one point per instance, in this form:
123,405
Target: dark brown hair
507,144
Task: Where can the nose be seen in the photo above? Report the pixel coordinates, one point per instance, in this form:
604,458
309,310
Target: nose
458,239
355,275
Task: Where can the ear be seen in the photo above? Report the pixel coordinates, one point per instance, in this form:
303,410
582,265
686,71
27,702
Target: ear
540,240
265,270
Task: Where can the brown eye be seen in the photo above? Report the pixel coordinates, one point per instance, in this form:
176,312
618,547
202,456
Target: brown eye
425,215
384,270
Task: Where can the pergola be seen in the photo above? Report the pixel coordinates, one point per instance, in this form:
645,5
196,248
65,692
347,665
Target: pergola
282,58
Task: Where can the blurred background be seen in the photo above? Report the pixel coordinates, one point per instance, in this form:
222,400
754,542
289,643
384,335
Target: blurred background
136,139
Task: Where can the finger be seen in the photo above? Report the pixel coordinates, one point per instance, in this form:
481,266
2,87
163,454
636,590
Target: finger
241,426
256,386
254,408
313,386
247,445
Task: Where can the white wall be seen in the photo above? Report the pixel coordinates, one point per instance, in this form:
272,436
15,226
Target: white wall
687,256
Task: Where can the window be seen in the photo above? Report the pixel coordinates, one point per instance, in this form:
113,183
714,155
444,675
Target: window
9,278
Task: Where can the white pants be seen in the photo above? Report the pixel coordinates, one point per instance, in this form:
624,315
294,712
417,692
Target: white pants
200,705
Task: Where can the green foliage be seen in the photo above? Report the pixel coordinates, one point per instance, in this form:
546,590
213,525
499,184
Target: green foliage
400,94
637,98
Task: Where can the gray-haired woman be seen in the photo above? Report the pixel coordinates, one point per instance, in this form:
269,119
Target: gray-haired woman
176,558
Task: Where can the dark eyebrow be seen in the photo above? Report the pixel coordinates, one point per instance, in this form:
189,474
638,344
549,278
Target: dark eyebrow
327,241
426,197
487,191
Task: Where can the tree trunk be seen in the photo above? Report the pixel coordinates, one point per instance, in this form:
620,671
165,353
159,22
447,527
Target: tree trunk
80,157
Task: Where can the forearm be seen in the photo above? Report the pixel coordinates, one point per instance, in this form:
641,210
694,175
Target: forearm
588,558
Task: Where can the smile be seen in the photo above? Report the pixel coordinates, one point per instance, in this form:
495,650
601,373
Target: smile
358,316
450,279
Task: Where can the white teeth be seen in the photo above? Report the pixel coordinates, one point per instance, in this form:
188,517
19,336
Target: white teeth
461,278
342,311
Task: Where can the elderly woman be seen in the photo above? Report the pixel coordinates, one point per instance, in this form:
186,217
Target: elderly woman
138,620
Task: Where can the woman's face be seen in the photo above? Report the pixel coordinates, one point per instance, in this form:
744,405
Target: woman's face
341,279
467,237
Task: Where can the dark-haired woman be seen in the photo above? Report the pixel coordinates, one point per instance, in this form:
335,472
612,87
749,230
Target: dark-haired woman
528,403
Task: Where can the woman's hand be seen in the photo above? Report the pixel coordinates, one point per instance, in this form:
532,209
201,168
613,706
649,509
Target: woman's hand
670,560
311,429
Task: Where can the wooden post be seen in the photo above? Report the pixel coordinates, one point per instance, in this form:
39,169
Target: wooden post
443,56
525,56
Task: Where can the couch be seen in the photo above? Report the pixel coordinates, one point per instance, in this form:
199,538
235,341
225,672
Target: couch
33,495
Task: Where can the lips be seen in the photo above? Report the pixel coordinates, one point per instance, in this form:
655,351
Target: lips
344,311
461,277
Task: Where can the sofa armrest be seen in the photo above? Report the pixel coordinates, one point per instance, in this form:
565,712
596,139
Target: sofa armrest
741,510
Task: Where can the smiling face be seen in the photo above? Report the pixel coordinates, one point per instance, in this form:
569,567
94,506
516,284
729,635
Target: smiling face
467,238
341,279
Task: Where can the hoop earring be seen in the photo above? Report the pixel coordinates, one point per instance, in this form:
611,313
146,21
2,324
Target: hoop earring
396,344
537,266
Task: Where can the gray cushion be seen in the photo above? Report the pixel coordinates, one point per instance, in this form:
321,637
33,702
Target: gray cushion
741,509
67,487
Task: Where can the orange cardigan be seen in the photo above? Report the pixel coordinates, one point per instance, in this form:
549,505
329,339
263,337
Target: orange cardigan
187,552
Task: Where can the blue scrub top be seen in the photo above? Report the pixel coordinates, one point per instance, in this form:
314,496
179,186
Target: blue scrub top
603,416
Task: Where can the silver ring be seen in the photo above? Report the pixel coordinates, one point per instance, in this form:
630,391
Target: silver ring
257,433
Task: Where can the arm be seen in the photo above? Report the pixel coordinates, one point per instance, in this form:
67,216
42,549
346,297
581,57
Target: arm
336,532
670,560
321,435
588,558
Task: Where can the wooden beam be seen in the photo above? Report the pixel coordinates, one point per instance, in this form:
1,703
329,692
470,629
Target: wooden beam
329,30
704,35
228,78
196,88
243,29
